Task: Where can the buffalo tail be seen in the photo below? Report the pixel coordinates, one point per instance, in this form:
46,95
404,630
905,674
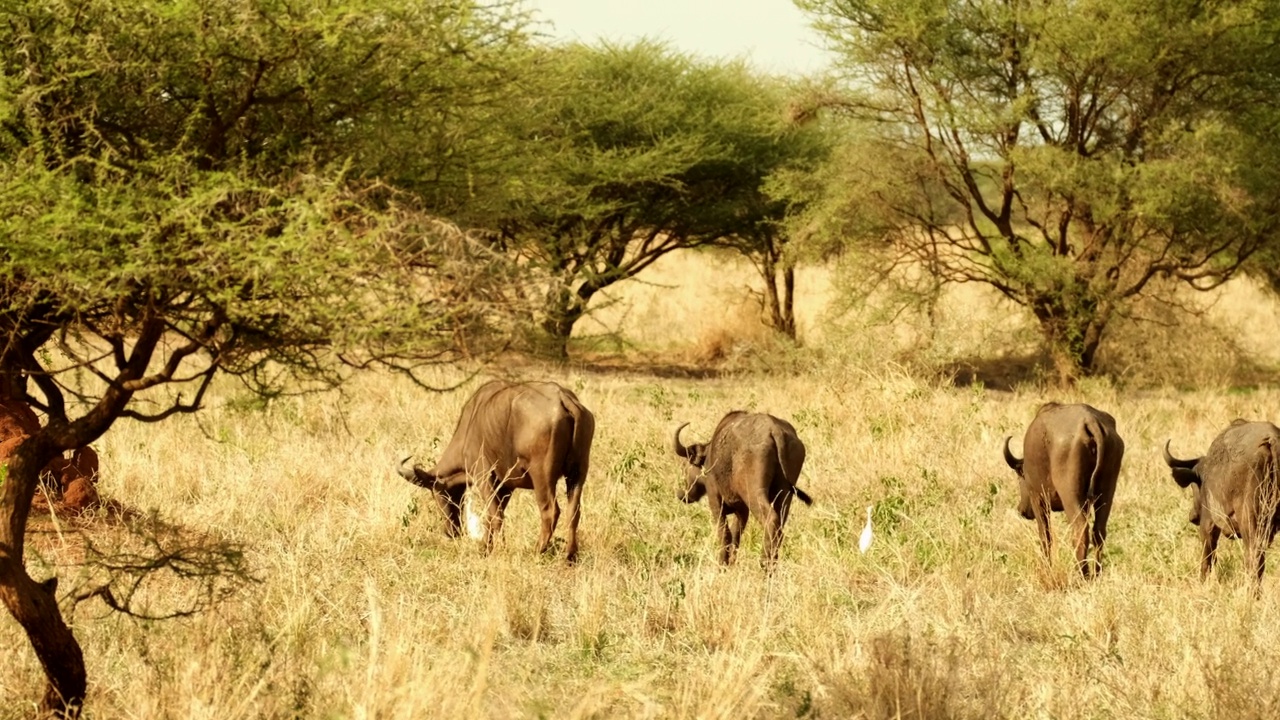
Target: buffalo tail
1275,467
1098,434
584,429
779,444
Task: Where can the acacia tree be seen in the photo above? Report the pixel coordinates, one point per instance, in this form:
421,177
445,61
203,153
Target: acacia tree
781,207
620,155
1064,153
192,189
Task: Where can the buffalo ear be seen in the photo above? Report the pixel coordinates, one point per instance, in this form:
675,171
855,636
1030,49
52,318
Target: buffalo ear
698,455
1185,477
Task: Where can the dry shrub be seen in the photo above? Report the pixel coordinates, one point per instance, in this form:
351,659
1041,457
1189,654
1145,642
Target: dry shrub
740,343
906,677
1181,341
1241,678
701,308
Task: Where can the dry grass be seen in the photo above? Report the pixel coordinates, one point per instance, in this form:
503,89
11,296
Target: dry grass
365,610
701,309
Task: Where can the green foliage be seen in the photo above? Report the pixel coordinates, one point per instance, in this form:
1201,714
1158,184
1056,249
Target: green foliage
194,188
1065,153
214,168
259,82
617,155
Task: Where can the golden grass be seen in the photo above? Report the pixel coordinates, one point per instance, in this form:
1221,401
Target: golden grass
365,610
703,307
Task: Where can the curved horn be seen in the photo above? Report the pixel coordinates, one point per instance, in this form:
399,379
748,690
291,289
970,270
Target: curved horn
407,472
1174,462
1012,461
413,474
680,449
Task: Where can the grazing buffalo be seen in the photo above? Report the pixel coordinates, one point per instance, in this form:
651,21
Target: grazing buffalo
1071,458
1235,490
511,436
751,465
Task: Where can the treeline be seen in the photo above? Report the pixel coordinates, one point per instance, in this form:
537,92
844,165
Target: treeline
284,192
1067,155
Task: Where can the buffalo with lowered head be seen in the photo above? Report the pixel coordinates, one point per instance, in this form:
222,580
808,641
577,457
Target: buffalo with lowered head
511,436
1071,459
1235,489
751,465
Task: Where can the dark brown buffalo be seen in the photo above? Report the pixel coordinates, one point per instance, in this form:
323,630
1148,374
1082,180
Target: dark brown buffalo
512,436
1235,490
1071,459
750,466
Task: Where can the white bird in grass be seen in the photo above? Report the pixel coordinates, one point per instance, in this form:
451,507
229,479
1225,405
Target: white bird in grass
475,525
864,542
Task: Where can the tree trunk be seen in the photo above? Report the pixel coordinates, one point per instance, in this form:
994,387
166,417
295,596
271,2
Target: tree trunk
779,307
33,604
562,310
1072,334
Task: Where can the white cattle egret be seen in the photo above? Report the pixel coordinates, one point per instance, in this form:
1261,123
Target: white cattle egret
864,542
475,526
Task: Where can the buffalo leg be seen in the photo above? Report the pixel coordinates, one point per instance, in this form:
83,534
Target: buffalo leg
724,537
1040,511
1101,513
544,478
502,498
549,510
772,525
1256,547
450,502
490,493
1259,567
1079,520
1209,534
782,502
573,506
735,531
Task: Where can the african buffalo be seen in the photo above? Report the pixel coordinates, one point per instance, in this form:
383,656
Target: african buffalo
751,465
511,436
1235,488
1071,458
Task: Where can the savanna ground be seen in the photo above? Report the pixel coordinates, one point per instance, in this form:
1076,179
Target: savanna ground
363,609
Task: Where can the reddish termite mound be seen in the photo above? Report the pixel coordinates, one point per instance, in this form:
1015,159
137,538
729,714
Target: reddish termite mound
71,481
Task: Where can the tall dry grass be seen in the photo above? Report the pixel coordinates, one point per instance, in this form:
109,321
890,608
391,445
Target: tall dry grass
365,610
703,309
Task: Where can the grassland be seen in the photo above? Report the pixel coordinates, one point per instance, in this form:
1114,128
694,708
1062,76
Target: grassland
363,609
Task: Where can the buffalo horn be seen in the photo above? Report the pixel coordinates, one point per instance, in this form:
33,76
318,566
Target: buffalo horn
680,449
1174,462
1012,461
407,472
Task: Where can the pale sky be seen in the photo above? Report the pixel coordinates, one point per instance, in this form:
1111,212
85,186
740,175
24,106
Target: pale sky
773,34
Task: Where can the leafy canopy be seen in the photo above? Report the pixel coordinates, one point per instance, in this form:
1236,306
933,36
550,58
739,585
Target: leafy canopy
193,188
620,154
215,168
1065,153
